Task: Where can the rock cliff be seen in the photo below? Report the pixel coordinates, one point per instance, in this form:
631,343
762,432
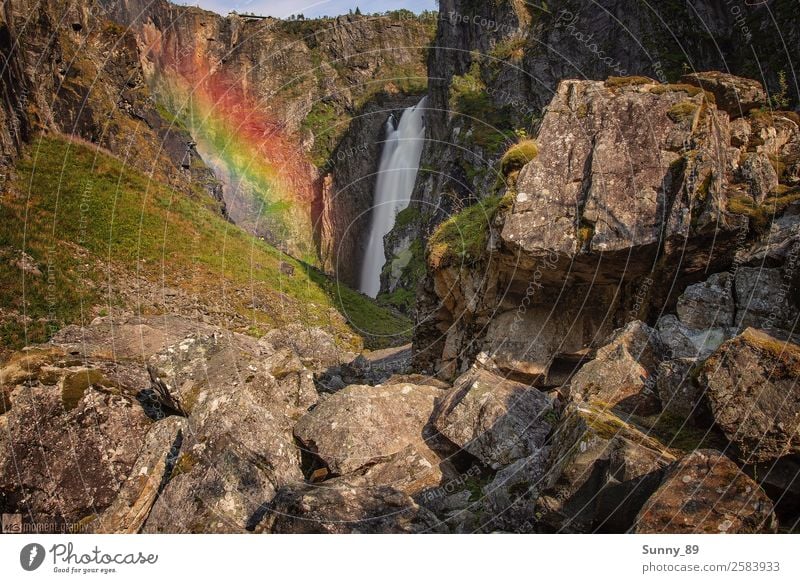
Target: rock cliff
494,67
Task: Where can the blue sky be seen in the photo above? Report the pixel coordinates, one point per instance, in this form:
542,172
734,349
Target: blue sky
309,8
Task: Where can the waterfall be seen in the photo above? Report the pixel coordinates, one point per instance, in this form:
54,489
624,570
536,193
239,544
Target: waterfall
397,173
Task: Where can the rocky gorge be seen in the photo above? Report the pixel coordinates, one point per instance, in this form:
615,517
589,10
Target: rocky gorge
601,265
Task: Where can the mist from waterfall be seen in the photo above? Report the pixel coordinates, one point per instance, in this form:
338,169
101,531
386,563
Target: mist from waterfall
397,173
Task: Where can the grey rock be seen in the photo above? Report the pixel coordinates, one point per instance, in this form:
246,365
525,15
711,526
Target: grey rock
340,506
756,171
708,304
600,471
762,300
153,468
243,399
735,95
623,372
678,391
495,419
360,425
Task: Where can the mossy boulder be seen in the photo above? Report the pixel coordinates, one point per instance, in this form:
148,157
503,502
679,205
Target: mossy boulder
751,386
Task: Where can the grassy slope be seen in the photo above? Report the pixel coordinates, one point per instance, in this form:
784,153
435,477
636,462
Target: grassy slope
73,208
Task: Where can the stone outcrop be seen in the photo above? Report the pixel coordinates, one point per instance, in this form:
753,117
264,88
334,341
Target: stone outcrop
600,472
623,371
632,183
705,493
242,399
72,70
342,507
79,412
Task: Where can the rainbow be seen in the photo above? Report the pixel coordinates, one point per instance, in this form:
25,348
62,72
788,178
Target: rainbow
268,181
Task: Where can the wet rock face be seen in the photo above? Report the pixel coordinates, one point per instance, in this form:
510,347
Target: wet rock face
752,390
706,493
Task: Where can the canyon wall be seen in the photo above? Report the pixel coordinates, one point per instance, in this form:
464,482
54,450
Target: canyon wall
270,101
70,69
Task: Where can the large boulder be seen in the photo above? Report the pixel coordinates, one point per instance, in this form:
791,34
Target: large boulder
242,398
361,425
497,420
341,506
751,386
761,299
623,372
70,431
680,341
600,471
678,391
705,492
153,468
629,200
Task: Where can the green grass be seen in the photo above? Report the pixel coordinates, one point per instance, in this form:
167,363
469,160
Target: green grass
73,208
463,237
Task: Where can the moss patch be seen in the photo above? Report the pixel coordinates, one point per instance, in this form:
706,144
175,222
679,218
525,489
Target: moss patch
463,237
762,214
617,82
517,156
184,465
683,111
75,383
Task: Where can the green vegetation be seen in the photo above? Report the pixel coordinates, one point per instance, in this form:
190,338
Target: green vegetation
491,126
761,215
325,124
509,49
683,111
780,99
78,211
406,217
517,156
677,433
690,90
617,82
464,236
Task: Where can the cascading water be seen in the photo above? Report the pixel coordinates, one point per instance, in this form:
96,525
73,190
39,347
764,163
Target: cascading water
397,173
